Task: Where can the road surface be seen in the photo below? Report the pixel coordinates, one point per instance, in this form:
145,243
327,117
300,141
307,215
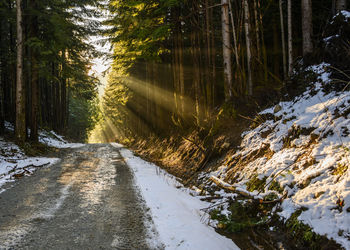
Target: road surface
86,201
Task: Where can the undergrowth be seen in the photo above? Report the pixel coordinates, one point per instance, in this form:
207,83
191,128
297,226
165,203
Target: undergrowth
35,148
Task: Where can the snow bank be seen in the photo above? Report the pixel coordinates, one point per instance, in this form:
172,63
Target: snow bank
309,157
54,140
15,164
50,138
176,214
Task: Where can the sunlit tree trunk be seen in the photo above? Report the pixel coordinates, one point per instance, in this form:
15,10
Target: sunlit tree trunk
283,40
149,114
196,54
248,43
20,91
175,70
208,76
306,9
290,39
181,75
178,70
226,44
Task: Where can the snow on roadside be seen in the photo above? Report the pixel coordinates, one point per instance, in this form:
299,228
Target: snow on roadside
15,164
307,146
52,139
176,214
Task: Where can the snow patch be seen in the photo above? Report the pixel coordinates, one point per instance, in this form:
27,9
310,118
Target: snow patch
14,163
309,158
54,140
177,215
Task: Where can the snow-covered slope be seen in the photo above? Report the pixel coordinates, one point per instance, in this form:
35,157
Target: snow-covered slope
304,150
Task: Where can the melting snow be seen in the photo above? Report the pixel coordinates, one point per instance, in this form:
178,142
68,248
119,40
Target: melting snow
176,214
313,167
14,162
54,140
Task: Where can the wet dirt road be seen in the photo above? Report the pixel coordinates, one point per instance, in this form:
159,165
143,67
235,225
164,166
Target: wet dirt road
86,201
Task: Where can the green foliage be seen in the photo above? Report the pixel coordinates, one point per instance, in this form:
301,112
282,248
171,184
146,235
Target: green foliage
274,185
238,220
271,197
143,31
302,232
83,116
341,169
256,184
35,149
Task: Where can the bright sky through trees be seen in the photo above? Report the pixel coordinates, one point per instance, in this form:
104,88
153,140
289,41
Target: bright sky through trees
101,65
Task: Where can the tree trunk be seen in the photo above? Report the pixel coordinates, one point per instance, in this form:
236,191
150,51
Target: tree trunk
234,35
264,53
181,75
226,49
290,39
306,9
196,60
257,30
208,76
148,92
248,42
34,78
283,40
175,71
213,59
34,99
341,5
68,102
2,109
2,113
20,131
177,61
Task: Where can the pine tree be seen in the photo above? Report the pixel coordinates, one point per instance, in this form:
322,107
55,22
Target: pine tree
20,90
306,9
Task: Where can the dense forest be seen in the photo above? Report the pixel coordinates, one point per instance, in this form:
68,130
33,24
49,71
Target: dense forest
180,64
44,67
176,64
244,102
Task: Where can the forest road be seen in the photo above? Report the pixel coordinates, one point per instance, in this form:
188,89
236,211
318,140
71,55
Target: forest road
86,201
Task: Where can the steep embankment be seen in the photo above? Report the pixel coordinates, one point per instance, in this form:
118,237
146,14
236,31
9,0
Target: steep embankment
285,179
299,155
288,180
